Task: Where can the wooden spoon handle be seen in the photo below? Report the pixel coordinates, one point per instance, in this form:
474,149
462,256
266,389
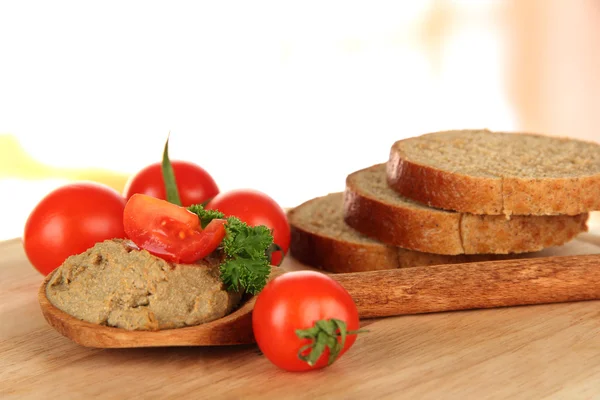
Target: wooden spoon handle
474,285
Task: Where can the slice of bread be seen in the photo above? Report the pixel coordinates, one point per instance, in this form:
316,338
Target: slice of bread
483,172
374,209
321,238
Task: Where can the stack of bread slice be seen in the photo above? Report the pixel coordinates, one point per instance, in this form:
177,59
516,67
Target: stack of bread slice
450,197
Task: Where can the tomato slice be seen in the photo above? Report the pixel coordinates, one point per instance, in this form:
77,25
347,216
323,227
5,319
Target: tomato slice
170,231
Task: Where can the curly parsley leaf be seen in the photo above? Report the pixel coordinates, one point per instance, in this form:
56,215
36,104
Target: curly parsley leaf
245,241
246,266
205,215
248,274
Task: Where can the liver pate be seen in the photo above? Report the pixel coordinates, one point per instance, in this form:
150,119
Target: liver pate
115,284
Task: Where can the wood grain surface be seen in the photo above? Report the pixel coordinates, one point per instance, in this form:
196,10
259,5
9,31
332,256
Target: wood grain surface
528,352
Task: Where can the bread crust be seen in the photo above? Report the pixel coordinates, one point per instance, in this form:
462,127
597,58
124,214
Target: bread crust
435,231
437,188
551,196
413,229
490,195
521,233
334,254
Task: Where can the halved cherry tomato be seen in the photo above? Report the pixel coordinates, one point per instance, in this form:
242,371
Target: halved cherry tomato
169,231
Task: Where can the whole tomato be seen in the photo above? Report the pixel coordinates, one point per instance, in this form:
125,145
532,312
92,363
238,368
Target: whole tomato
194,184
70,220
285,318
256,208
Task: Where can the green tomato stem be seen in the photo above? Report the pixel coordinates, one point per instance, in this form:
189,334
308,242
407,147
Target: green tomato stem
324,335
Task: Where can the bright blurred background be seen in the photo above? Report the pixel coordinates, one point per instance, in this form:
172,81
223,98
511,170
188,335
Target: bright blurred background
280,96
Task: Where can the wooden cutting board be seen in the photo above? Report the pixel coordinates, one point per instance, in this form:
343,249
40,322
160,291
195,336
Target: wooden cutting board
518,352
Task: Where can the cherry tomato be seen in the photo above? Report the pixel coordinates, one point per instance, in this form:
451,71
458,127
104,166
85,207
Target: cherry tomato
256,208
194,184
169,231
296,300
70,220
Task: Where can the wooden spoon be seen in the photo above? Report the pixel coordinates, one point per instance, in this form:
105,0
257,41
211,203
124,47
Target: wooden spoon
378,294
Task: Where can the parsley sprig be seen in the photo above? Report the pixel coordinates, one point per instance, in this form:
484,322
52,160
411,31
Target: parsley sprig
246,265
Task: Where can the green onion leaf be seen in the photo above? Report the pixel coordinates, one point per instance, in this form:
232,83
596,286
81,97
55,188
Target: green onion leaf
169,177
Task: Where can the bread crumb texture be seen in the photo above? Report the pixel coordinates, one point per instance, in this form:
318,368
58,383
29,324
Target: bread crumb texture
484,172
325,216
498,154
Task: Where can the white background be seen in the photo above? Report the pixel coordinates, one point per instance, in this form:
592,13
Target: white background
284,97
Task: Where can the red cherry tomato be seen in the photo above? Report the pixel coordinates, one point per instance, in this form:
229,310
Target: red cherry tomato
195,185
169,231
70,220
296,300
256,208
